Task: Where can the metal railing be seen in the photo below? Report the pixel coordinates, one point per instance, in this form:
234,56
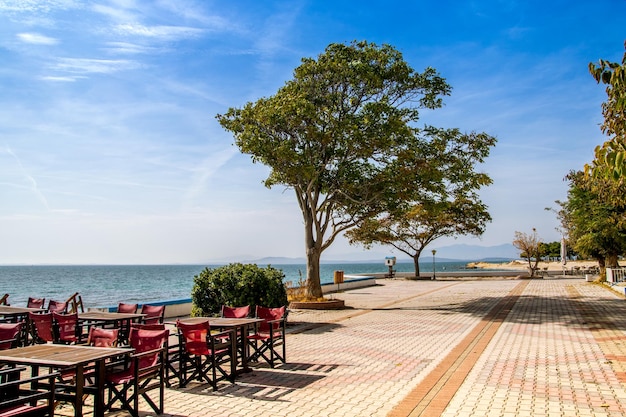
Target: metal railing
615,275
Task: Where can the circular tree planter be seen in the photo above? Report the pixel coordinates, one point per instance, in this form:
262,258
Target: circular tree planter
318,305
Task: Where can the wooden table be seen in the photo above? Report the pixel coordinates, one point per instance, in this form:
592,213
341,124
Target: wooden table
90,318
68,357
14,312
240,326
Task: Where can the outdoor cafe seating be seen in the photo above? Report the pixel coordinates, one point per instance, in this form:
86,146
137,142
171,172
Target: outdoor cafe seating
268,338
9,334
143,372
204,355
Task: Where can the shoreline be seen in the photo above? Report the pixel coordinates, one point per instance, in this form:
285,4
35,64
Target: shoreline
522,265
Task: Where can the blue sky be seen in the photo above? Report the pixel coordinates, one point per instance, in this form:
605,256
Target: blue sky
110,151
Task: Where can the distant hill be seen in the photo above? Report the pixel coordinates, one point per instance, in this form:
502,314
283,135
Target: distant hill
477,253
453,253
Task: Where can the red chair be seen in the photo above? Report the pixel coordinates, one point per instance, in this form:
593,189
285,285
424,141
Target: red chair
41,327
67,328
9,334
18,400
154,314
99,337
269,334
235,312
35,302
217,349
127,308
58,306
144,373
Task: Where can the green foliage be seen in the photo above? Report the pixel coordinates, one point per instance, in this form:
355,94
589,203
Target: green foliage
610,157
411,230
595,217
237,285
342,134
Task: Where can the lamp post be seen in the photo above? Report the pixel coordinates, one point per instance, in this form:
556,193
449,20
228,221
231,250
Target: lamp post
434,252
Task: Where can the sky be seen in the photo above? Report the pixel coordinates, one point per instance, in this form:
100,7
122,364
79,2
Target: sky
110,152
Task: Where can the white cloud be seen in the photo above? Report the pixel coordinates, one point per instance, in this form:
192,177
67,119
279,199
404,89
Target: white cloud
160,32
101,66
37,39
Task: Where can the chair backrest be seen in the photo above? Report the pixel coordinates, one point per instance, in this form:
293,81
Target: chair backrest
42,326
127,308
35,302
194,336
269,314
154,314
66,326
143,340
4,300
235,312
74,304
58,306
8,334
99,337
150,326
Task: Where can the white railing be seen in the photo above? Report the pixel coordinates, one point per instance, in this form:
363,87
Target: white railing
615,275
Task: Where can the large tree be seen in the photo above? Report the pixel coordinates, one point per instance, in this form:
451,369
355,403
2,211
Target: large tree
594,218
342,135
610,157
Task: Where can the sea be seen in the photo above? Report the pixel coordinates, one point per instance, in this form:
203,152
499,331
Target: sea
106,285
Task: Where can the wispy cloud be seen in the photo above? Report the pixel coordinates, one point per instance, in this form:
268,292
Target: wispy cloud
128,48
159,32
32,184
98,66
37,39
23,6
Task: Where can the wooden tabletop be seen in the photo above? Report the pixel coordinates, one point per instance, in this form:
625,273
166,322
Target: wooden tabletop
11,310
108,316
58,355
221,321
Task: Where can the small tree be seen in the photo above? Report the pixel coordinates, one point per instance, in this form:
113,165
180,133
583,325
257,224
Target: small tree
412,230
237,285
529,247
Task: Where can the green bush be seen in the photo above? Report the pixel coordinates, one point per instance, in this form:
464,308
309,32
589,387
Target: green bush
237,285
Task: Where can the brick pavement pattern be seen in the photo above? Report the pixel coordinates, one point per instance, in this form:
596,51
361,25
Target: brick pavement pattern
457,348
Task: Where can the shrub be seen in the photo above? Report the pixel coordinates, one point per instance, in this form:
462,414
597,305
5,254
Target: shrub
237,285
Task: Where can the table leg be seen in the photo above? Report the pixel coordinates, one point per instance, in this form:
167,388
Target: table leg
80,385
98,400
244,349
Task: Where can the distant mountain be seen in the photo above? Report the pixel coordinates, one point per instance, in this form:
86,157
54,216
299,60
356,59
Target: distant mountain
461,252
475,253
277,260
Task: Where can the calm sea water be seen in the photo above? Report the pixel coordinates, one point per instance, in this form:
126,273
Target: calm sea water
106,285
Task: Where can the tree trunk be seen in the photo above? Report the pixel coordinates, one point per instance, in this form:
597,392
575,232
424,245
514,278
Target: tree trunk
313,248
313,283
416,264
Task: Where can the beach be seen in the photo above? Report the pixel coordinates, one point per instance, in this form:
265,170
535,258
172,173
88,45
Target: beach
522,265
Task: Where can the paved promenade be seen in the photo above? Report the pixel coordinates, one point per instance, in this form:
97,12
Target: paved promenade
489,347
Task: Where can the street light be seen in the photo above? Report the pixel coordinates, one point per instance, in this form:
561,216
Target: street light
434,252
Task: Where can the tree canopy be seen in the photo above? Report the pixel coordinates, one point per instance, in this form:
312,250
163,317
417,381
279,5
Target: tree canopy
610,157
595,221
342,134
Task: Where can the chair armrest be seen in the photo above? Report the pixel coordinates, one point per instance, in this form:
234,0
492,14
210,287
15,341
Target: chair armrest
221,334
